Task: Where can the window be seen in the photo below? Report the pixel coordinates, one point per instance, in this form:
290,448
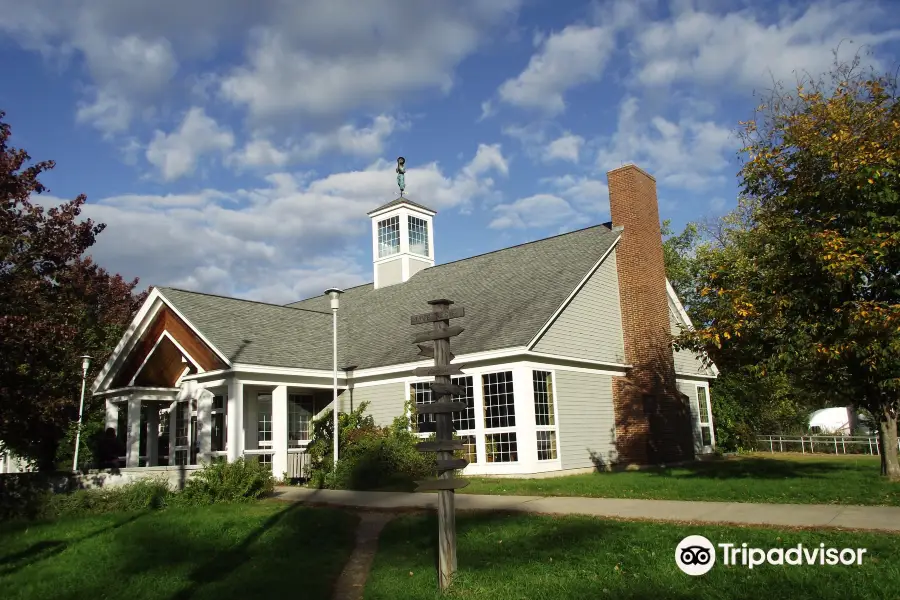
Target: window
418,236
703,412
388,237
264,420
501,447
219,427
463,421
300,411
499,403
499,412
544,415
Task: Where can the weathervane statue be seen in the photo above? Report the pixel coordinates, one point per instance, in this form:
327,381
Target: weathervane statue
401,174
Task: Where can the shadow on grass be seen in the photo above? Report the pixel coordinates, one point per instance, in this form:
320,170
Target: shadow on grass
759,468
45,549
504,556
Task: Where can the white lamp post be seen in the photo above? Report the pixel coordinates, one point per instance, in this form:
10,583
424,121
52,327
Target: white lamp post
335,295
85,365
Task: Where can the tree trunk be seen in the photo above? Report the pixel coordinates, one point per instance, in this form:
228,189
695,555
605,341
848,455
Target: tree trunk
887,430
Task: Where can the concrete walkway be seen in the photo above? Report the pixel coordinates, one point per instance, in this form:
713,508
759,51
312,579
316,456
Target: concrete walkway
876,518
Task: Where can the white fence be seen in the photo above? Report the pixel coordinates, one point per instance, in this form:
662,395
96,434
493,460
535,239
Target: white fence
820,444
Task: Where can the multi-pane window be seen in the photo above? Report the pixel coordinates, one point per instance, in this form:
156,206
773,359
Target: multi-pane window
219,426
703,411
463,421
418,236
499,402
300,411
546,444
264,420
388,237
544,415
182,416
470,451
501,447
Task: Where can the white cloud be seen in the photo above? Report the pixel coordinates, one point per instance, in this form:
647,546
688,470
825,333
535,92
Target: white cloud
540,210
279,242
590,196
746,51
330,57
176,154
688,154
488,110
574,56
317,57
566,148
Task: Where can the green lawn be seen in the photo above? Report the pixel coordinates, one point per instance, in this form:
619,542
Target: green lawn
259,550
754,478
503,557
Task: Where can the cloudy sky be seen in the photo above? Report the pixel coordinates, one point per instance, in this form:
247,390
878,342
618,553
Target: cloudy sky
234,147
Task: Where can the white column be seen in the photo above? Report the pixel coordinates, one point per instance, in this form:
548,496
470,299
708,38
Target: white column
153,435
526,440
173,423
280,430
250,420
204,425
112,414
234,441
133,433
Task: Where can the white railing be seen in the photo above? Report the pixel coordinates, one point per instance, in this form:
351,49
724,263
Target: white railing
820,444
297,460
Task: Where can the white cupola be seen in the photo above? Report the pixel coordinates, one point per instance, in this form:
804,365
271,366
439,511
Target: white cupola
402,240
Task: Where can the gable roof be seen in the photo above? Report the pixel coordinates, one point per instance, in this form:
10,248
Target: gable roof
508,295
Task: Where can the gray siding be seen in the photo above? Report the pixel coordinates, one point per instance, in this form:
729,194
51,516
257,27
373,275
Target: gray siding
586,419
690,390
685,361
390,272
590,327
385,401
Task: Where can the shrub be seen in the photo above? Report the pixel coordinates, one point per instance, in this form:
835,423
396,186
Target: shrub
144,494
371,457
238,481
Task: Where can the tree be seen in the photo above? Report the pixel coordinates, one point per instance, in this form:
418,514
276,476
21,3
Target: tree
680,260
55,305
823,246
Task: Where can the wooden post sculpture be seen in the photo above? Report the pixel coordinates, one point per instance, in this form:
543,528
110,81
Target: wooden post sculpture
444,445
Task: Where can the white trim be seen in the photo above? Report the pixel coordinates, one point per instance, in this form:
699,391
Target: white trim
598,363
125,391
195,330
686,319
694,375
199,376
138,326
165,334
712,432
245,368
571,297
380,212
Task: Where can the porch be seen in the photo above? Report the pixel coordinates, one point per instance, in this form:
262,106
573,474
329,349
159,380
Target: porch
180,429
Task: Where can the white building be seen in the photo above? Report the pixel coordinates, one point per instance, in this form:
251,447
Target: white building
567,350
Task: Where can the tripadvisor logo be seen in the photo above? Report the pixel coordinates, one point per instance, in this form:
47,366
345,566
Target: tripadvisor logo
696,555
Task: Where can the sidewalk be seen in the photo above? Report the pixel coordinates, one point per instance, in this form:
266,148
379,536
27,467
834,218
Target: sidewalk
876,518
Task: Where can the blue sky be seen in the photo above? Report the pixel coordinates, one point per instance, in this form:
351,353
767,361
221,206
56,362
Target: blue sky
235,147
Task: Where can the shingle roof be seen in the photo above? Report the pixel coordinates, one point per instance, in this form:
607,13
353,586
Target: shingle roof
508,296
401,200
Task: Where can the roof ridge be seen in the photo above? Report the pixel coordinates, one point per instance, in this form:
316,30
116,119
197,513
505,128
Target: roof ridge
558,235
239,299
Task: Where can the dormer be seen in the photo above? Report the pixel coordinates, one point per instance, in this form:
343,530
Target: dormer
402,240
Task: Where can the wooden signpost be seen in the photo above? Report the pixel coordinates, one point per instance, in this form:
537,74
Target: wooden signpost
442,389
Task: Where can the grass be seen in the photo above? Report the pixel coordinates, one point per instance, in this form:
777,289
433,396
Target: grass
754,478
535,557
239,551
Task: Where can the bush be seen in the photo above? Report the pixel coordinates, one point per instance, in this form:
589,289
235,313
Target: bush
239,481
371,457
23,495
145,494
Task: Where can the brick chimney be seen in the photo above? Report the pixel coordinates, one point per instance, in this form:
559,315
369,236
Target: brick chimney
653,423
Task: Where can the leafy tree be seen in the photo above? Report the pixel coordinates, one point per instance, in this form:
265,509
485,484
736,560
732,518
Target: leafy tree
680,260
55,305
819,284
